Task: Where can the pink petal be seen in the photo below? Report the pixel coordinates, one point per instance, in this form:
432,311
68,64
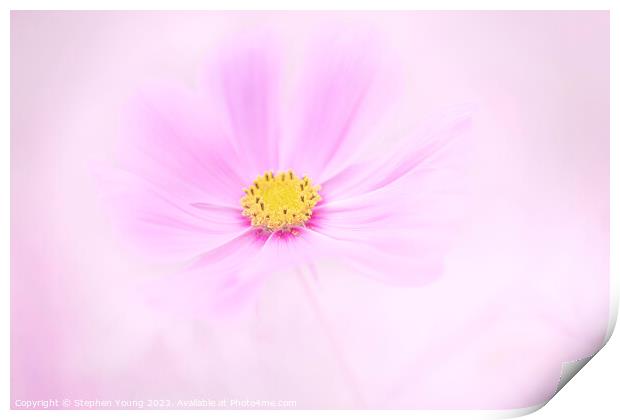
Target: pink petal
173,140
386,259
214,284
159,222
226,280
397,221
339,100
176,192
245,80
442,143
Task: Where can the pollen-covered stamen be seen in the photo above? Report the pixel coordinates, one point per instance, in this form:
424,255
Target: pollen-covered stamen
280,202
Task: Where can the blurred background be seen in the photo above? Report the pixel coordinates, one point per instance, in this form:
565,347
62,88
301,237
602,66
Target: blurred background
525,289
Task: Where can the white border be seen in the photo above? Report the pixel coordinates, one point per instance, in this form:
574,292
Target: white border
591,394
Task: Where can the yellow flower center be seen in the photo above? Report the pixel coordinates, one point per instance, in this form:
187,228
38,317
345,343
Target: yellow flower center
280,202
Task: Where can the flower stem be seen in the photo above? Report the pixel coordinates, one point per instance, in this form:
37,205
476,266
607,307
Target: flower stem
341,360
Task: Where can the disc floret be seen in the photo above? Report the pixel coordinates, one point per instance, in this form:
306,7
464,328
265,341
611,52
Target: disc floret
281,201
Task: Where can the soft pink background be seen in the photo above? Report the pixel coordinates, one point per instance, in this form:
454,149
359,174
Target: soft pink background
525,289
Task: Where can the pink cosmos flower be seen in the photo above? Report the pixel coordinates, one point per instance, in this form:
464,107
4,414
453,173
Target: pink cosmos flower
275,162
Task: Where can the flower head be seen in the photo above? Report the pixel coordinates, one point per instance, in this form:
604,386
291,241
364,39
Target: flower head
269,165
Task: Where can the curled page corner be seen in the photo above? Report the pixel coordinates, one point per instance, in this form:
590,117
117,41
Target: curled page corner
570,369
